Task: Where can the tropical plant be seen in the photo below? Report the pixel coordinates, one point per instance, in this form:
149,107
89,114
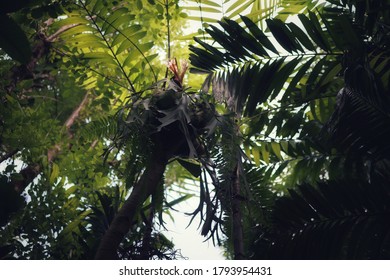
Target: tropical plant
289,127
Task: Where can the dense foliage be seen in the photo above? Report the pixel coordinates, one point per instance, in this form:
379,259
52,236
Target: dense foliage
283,124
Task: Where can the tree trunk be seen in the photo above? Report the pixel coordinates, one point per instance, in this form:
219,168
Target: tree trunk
123,220
147,238
238,236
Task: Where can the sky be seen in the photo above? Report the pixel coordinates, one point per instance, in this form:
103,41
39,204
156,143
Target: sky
192,244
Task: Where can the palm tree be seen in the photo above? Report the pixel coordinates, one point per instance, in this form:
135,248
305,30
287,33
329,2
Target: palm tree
285,98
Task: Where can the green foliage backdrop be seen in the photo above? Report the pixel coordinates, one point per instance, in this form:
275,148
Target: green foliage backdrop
284,126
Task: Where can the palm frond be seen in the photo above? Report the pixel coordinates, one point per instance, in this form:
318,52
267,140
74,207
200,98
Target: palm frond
104,127
361,122
206,11
107,36
335,220
255,70
369,14
254,44
251,75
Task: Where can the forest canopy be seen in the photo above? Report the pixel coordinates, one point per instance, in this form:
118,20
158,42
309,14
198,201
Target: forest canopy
275,115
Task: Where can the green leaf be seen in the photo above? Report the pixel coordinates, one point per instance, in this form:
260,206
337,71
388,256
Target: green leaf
284,145
283,35
126,34
264,78
71,190
135,53
179,200
238,7
350,33
139,5
276,149
256,155
129,43
204,9
37,13
211,3
14,41
207,19
316,73
118,18
55,171
89,41
283,75
211,49
265,154
69,34
246,39
259,35
314,34
320,33
247,150
302,72
222,39
301,36
101,57
332,74
72,19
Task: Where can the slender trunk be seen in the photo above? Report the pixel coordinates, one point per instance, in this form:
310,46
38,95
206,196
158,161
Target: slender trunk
147,239
238,236
123,220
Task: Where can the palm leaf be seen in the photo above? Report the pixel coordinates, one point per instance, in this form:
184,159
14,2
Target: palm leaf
272,73
336,220
107,36
361,122
368,14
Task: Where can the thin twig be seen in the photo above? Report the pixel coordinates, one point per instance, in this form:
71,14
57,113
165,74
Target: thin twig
55,35
70,121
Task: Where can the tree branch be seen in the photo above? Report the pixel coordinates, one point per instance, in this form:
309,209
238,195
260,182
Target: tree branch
8,155
237,229
123,221
53,37
75,114
32,171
